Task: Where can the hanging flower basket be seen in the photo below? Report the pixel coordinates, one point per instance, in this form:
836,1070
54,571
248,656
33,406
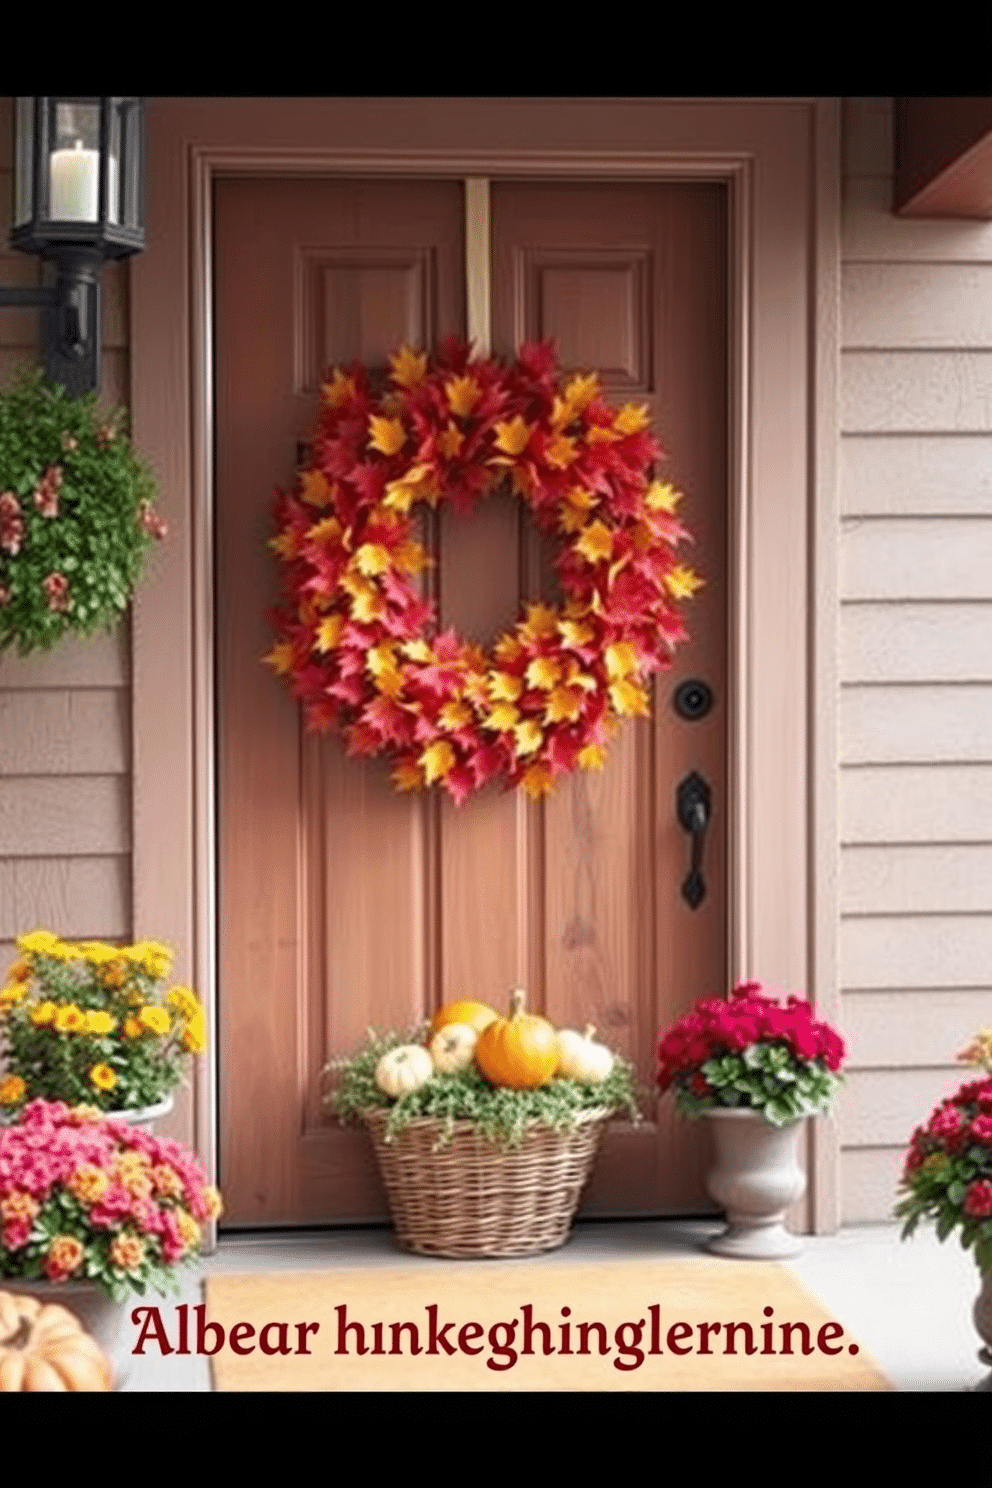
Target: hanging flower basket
76,515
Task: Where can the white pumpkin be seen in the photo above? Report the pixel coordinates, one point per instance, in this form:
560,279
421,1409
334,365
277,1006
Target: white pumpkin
453,1047
579,1058
404,1069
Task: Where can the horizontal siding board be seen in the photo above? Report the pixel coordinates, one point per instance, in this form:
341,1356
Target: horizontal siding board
924,878
886,306
870,230
915,952
915,474
64,732
96,661
916,391
916,803
869,1184
882,1108
914,723
937,558
84,816
911,642
82,897
886,1030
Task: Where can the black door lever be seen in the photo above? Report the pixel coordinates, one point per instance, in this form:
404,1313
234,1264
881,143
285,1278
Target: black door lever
692,802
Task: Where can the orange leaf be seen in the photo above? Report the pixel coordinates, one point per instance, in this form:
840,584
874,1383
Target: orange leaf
387,435
339,389
463,394
512,438
408,367
437,759
317,491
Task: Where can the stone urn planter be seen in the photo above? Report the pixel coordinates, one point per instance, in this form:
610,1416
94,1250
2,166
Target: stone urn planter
755,1177
982,1316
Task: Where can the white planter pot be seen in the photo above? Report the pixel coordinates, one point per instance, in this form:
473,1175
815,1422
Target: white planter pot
103,1318
144,1115
755,1177
982,1316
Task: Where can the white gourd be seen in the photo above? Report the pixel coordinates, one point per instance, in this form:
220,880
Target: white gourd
453,1047
404,1069
579,1058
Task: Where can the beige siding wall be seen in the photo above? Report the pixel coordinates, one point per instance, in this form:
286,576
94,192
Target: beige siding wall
65,716
915,949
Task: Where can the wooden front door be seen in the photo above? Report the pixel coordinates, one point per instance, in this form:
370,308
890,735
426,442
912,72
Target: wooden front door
344,904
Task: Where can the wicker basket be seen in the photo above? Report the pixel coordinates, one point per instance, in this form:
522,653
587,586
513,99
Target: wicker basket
472,1198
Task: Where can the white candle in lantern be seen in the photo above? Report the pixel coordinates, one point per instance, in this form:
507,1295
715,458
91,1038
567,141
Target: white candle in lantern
75,183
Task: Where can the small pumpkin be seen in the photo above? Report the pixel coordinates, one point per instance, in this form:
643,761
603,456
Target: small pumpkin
453,1048
45,1347
521,1051
580,1058
476,1014
404,1069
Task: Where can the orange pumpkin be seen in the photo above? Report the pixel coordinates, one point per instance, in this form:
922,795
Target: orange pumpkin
520,1051
45,1347
476,1014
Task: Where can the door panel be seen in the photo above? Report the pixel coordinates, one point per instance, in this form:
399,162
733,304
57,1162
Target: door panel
344,904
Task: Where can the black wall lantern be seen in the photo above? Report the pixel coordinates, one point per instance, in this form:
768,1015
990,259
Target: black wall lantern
78,199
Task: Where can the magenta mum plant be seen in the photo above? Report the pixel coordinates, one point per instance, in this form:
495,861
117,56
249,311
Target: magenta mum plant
754,1052
947,1176
87,1197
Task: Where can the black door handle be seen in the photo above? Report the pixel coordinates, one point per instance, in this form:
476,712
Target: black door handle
692,803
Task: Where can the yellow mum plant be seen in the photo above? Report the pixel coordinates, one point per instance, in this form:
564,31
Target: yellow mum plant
94,1023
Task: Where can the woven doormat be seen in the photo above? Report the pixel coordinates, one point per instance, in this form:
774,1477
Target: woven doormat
668,1325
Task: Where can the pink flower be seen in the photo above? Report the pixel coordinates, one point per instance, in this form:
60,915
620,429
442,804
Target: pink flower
46,497
56,586
947,1121
11,523
978,1199
4,594
981,1128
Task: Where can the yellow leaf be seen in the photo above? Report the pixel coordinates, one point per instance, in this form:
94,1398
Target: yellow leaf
560,451
578,678
455,716
682,583
575,633
502,717
450,441
598,434
541,620
389,682
476,689
410,557
621,659
372,558
381,658
329,632
503,688
401,494
570,520
330,527
543,672
592,757
631,418
408,776
529,736
408,367
285,544
339,389
417,651
317,491
628,697
387,435
581,498
367,603
280,658
507,648
437,759
564,702
582,390
512,437
596,542
463,394
538,781
660,496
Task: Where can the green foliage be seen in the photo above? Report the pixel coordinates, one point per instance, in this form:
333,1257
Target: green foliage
765,1077
500,1114
75,503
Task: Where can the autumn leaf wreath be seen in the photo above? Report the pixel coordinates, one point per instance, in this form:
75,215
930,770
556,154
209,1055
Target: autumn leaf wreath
357,638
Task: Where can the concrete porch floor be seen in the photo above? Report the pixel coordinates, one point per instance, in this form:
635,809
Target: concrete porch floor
908,1303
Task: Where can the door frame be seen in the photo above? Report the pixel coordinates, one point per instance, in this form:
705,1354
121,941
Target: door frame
780,163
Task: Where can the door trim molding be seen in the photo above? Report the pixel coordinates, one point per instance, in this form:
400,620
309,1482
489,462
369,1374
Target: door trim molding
780,164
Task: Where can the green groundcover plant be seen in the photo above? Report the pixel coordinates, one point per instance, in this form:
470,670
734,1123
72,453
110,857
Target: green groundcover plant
76,515
947,1175
500,1114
